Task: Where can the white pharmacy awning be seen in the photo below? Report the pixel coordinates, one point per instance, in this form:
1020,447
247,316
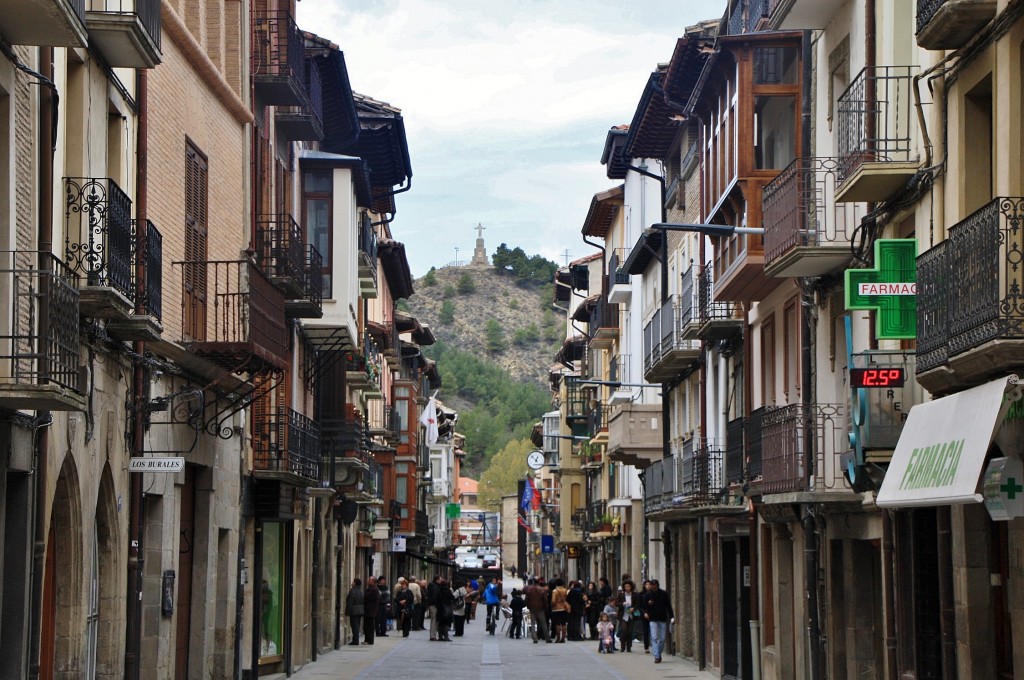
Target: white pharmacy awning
941,452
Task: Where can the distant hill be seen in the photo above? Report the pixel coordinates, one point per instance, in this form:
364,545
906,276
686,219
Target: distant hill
497,336
518,310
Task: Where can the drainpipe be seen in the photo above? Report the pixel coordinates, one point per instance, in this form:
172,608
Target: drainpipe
665,387
313,603
889,595
46,142
136,556
947,620
755,623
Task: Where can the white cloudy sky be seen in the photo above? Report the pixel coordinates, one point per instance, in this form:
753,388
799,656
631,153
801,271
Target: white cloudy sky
506,106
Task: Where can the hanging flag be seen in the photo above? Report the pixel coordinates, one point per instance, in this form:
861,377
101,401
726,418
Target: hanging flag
534,495
428,419
529,493
524,524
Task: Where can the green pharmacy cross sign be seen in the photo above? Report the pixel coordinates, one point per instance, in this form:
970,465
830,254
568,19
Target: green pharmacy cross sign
890,288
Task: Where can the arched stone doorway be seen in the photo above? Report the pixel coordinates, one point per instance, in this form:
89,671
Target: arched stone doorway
63,649
105,609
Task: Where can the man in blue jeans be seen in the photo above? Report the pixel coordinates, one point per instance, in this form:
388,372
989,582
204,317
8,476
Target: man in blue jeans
492,596
658,613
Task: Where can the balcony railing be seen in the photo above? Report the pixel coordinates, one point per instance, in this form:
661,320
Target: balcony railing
598,517
604,323
876,119
950,24
39,341
293,266
345,439
754,436
278,59
98,233
286,442
784,433
807,233
717,319
735,466
666,349
701,474
660,484
616,273
969,290
367,257
126,32
233,314
153,296
305,121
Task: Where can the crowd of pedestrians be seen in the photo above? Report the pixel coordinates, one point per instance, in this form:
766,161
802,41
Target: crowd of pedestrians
552,611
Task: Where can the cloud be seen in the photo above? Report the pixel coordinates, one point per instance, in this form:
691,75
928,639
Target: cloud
506,106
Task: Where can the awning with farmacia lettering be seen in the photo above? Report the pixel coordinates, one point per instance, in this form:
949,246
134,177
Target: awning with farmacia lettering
942,449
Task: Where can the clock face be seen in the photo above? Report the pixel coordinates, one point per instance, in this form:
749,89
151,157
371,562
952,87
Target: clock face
535,460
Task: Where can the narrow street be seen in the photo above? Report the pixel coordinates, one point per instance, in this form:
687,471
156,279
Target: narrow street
478,656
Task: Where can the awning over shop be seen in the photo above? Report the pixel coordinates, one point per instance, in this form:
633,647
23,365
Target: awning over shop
941,452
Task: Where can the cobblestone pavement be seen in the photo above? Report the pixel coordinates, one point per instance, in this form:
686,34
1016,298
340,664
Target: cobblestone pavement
478,656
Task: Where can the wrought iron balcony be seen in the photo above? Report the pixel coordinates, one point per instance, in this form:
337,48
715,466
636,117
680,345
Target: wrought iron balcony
577,401
278,59
98,245
619,288
126,32
233,315
144,321
292,265
716,319
344,445
702,474
806,232
659,485
667,351
753,432
635,434
60,23
285,446
949,24
39,341
598,518
604,324
970,316
784,430
735,465
877,124
367,258
304,122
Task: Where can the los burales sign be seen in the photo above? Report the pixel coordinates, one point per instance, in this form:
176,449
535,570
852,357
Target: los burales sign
890,288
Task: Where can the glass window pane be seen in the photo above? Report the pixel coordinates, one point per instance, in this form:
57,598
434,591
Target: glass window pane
318,233
317,182
402,489
776,65
774,132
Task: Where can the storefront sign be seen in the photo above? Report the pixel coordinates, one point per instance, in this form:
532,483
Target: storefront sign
942,449
154,464
1004,489
890,288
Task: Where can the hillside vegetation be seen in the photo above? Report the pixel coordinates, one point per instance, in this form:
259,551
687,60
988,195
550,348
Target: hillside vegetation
497,334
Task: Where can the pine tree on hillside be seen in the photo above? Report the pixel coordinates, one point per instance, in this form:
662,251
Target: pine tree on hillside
495,336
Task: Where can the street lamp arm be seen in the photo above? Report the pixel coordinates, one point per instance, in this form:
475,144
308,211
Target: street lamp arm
708,229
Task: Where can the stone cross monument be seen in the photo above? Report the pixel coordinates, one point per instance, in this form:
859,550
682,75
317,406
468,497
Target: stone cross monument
480,253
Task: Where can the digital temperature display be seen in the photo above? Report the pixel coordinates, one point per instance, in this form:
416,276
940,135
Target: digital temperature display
877,377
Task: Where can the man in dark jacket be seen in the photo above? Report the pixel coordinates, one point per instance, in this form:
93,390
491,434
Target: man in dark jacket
658,613
537,602
404,602
371,602
354,607
384,608
430,600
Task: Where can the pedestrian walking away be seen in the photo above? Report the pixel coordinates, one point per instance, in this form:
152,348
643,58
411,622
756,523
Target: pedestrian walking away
354,608
658,613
